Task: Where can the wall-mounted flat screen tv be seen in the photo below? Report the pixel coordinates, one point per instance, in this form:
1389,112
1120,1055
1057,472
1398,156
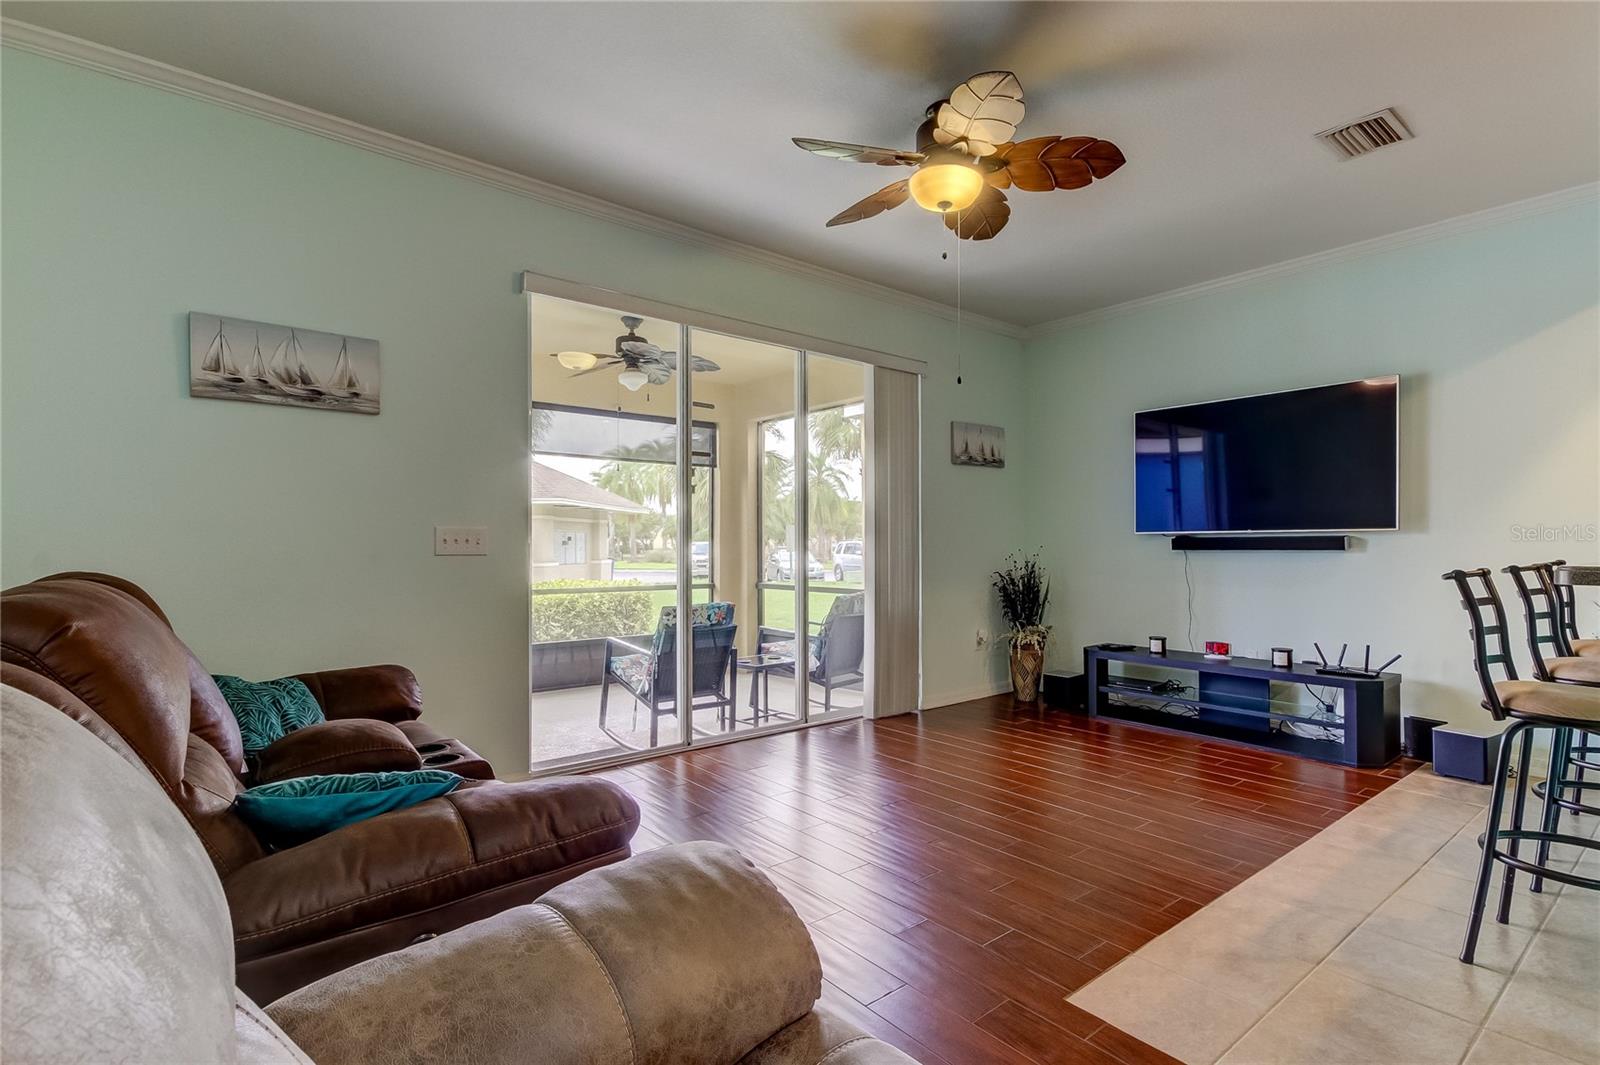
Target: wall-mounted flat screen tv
1323,459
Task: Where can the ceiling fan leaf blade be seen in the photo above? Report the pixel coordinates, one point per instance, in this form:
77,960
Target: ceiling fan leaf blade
1103,157
1071,162
640,348
982,112
858,153
604,364
885,199
1028,172
987,216
701,364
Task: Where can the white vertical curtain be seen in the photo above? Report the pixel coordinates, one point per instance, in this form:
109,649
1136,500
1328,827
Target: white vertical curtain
894,565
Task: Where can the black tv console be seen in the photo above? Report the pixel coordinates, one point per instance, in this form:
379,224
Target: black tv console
1232,699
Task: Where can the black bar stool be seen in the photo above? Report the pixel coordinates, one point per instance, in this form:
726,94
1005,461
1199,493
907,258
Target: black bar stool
1542,610
1531,705
1567,603
1541,606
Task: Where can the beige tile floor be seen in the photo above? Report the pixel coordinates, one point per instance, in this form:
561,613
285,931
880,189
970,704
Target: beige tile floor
1343,952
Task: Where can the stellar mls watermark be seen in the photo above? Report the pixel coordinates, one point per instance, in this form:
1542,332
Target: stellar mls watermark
1571,533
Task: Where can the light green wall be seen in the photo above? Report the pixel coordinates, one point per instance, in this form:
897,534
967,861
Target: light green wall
1497,338
282,540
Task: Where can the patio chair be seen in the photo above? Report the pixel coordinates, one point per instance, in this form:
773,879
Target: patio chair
836,651
650,674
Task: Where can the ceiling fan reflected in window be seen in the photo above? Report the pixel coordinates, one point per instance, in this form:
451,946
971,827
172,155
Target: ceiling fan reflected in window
965,157
642,363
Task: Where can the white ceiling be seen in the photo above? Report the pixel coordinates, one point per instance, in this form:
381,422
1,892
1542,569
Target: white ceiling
685,110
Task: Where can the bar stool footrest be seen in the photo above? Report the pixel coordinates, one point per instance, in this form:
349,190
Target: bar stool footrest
1565,803
1560,876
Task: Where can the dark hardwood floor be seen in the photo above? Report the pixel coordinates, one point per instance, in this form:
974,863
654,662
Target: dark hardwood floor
964,870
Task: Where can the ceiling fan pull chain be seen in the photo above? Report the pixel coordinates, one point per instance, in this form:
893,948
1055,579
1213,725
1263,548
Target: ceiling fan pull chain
958,296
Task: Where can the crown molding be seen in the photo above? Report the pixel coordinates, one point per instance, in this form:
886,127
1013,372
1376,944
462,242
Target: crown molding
117,63
1449,227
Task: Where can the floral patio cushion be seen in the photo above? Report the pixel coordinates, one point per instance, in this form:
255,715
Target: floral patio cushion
632,670
701,615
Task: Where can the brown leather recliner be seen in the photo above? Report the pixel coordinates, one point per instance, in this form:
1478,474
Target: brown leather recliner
100,649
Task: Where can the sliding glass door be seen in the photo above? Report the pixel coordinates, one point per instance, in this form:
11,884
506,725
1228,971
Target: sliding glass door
753,384
603,538
736,495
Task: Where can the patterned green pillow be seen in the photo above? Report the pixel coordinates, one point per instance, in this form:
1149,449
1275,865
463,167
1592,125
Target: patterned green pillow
268,710
293,811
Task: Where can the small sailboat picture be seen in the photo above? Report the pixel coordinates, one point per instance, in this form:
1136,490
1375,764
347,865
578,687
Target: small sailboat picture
288,369
972,444
218,359
257,370
343,381
306,368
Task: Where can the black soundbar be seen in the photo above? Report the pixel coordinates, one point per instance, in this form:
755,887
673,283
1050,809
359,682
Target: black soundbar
1318,542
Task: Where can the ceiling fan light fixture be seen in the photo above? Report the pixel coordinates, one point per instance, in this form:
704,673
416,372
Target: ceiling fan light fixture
945,187
633,380
576,360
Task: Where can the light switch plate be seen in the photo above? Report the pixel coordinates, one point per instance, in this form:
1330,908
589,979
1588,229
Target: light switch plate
460,540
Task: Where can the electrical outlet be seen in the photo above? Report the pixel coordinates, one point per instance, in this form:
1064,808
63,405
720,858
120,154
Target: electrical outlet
460,540
983,640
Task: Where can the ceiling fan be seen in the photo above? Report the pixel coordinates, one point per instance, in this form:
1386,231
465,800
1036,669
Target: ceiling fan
642,362
965,157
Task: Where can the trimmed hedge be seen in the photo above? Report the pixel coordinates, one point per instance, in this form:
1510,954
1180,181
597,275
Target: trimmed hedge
591,615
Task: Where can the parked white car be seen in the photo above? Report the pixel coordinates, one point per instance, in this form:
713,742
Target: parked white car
780,566
700,558
849,556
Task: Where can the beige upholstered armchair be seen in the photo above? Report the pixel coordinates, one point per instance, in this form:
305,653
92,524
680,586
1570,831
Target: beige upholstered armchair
115,946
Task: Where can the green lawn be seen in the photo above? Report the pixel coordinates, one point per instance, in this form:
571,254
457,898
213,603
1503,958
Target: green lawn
779,603
623,565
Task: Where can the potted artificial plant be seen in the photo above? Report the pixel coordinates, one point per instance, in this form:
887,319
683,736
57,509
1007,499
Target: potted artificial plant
1024,591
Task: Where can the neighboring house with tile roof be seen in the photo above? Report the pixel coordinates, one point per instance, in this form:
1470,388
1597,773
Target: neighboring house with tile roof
572,525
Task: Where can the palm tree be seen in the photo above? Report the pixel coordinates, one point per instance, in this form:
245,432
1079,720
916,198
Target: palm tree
623,479
638,474
834,514
836,445
777,499
836,435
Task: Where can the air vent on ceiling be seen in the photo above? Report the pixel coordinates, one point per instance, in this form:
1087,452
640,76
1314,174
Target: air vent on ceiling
1366,134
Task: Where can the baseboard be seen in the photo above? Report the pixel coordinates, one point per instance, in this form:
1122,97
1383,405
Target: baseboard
934,702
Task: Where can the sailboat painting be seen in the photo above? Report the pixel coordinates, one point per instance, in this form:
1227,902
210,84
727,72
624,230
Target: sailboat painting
972,444
234,358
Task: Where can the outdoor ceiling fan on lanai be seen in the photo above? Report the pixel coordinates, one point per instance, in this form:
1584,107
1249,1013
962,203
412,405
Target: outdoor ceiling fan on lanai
642,362
965,157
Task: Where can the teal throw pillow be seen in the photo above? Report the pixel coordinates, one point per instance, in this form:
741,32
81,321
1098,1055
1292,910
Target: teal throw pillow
268,710
293,811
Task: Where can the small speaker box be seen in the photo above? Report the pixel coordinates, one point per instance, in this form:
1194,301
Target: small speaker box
1418,737
1465,754
1066,690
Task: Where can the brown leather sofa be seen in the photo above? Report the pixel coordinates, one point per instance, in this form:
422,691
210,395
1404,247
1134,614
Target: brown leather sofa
101,650
115,946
